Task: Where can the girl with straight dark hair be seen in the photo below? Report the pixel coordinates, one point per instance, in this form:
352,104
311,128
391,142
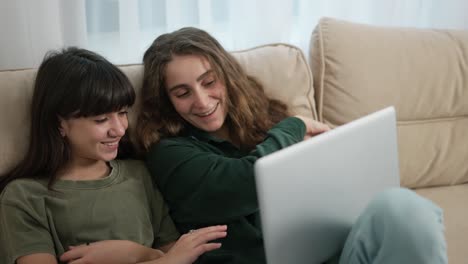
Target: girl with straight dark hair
69,199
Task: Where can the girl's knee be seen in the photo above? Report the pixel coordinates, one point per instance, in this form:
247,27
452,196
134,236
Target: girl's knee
404,203
405,212
398,226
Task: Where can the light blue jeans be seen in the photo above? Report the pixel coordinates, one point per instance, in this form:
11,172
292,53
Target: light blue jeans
397,227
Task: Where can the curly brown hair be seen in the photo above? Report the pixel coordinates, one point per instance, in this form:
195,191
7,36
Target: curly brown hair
247,118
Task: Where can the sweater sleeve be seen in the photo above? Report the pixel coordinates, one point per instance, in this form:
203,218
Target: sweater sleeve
205,186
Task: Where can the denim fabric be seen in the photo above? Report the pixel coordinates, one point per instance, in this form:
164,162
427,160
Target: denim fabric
398,226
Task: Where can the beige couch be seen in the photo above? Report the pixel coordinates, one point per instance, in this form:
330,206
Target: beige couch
357,69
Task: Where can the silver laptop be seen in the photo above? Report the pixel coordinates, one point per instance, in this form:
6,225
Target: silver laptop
311,193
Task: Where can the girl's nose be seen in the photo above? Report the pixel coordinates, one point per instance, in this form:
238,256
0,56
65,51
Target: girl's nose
118,127
201,100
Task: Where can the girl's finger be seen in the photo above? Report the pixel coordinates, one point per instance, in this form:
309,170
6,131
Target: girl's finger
203,238
75,253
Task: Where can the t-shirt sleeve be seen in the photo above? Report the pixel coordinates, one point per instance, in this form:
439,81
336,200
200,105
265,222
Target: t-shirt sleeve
200,185
23,227
163,227
167,231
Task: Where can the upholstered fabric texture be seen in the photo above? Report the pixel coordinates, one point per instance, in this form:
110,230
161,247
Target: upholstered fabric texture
359,69
281,68
16,88
453,201
285,74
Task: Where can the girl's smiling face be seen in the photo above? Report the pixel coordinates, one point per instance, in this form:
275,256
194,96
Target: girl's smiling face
197,94
95,138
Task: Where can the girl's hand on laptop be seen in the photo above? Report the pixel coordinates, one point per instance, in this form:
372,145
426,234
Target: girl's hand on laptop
313,127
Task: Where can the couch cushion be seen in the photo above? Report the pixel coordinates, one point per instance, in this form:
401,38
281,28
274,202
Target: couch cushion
285,74
359,69
281,68
16,88
452,199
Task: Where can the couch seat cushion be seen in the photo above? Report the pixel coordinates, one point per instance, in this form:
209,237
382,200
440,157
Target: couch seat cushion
453,200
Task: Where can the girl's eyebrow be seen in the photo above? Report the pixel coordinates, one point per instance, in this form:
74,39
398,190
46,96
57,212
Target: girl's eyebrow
182,85
204,74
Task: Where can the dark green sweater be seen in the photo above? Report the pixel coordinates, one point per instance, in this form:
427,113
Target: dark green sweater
208,181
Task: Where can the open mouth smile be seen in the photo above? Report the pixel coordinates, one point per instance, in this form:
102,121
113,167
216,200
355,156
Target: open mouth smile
111,144
209,112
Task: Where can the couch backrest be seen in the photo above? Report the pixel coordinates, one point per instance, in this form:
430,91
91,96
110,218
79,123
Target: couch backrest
424,73
281,68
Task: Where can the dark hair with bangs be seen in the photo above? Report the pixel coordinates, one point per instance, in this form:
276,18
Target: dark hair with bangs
70,83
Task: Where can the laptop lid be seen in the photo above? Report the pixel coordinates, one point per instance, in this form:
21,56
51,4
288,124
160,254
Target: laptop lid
311,193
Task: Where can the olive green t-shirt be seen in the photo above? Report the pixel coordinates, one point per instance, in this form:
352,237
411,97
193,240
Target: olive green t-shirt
123,205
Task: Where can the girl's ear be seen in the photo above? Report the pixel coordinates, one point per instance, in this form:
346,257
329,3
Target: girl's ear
62,127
